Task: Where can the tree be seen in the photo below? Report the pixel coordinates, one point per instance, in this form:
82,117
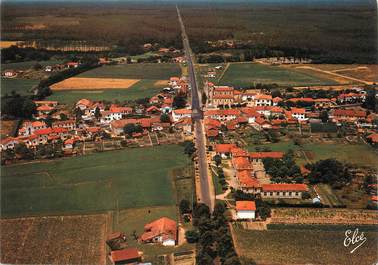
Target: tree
330,171
165,118
324,116
37,66
189,148
97,113
192,236
22,151
204,98
218,160
184,206
179,102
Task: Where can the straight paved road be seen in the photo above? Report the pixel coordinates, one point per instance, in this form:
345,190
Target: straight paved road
197,116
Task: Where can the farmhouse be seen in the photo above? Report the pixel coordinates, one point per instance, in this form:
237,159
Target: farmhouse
298,114
125,256
163,230
245,210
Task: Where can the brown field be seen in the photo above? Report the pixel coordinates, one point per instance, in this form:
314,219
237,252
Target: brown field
161,83
6,127
7,44
342,73
54,240
324,216
83,83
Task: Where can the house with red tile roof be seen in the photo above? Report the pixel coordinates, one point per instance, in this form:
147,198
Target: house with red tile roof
224,150
184,124
245,210
8,143
221,96
29,127
298,114
348,114
178,114
263,100
283,190
222,114
68,124
257,157
125,256
276,101
163,230
241,163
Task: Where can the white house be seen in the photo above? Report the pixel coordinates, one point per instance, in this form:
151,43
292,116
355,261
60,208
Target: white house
299,114
263,100
245,210
179,114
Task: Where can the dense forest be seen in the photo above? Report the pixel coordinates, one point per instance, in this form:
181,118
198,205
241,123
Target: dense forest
324,33
334,34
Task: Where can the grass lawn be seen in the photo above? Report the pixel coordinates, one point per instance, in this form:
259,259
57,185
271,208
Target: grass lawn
21,86
155,71
142,89
29,64
305,246
246,74
121,179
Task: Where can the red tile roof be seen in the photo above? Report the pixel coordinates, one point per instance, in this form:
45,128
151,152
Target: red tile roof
223,96
125,254
241,163
222,112
246,180
224,148
223,88
261,155
182,111
160,227
284,187
349,113
245,206
298,110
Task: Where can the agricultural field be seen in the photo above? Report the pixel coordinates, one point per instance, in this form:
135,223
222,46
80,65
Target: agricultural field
248,74
366,72
127,178
20,86
291,246
155,71
313,151
54,240
115,82
141,89
324,216
85,83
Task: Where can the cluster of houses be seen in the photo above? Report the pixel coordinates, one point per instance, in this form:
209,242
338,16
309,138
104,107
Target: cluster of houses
91,120
162,231
250,177
232,108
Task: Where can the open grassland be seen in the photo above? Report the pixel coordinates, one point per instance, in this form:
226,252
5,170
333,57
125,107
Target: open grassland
161,71
248,74
142,89
349,153
54,240
305,246
121,179
29,64
83,83
20,86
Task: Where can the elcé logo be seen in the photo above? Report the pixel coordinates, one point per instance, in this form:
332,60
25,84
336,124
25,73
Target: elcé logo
354,239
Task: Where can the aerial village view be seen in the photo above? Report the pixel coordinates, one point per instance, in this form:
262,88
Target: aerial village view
189,132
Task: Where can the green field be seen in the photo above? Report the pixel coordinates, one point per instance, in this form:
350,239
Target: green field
248,74
103,181
28,64
359,154
142,89
155,71
293,246
21,86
